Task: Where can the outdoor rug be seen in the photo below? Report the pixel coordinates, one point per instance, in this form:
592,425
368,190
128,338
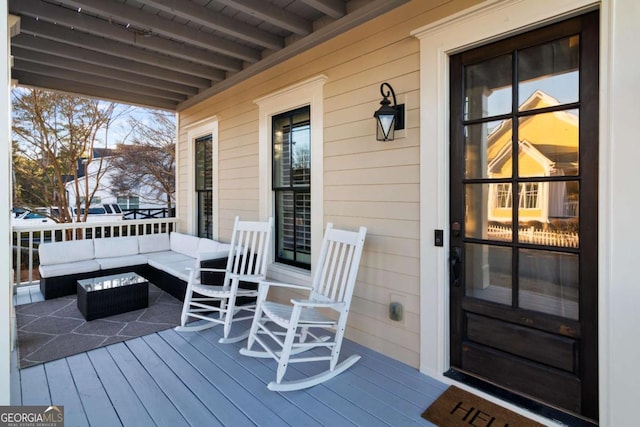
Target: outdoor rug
456,407
53,329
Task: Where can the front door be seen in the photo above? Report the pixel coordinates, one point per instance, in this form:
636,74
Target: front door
524,204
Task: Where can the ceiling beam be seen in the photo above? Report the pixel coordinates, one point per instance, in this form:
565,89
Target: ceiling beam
85,55
273,15
334,8
158,25
81,77
67,86
218,22
100,27
371,10
99,71
110,47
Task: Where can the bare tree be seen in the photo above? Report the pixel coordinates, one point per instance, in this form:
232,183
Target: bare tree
53,132
148,161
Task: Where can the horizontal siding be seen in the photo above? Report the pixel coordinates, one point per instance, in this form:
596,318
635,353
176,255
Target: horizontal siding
365,182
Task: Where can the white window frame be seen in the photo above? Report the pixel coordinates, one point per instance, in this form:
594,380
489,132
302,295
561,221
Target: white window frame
199,129
308,92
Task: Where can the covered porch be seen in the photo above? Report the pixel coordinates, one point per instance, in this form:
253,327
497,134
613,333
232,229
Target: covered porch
171,57
171,378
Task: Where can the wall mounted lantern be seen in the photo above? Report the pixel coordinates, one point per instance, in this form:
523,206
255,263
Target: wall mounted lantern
388,118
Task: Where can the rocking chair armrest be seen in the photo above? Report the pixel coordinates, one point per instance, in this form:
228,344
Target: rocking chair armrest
264,283
255,278
316,303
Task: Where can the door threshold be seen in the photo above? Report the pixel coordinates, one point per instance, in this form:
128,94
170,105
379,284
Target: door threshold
531,405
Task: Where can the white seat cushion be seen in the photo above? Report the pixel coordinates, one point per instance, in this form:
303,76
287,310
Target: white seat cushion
121,261
166,256
177,268
184,244
52,253
210,249
63,269
154,243
116,247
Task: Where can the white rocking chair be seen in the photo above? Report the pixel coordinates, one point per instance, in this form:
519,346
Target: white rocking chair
332,288
247,262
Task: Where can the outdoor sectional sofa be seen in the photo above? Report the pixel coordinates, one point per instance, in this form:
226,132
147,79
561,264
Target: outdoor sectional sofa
162,259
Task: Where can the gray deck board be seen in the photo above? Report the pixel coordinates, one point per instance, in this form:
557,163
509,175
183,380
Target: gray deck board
160,407
92,393
180,379
194,410
62,388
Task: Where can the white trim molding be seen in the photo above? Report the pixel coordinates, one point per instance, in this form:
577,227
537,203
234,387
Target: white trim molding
308,92
196,130
478,25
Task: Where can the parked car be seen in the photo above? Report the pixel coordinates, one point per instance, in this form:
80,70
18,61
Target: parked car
106,212
29,218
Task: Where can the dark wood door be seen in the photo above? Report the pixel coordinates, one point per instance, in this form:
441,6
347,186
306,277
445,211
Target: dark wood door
524,204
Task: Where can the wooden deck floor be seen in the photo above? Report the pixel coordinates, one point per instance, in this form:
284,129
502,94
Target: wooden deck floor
180,379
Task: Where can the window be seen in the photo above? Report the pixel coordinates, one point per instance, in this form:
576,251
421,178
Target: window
527,195
129,202
204,185
307,95
291,183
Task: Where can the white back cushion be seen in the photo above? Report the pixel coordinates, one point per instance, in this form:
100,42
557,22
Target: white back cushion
154,243
64,252
116,246
184,244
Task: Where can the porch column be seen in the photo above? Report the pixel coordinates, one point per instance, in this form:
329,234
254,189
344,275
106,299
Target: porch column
5,201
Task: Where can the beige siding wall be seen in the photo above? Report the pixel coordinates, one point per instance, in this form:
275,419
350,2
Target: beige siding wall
365,182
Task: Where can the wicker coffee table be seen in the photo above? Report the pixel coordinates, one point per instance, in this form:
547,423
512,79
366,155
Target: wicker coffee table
108,295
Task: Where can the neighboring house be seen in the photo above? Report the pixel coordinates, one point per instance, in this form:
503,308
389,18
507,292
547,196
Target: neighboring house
548,146
137,198
488,313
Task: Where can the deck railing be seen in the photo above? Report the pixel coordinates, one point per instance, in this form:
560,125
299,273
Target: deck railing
27,238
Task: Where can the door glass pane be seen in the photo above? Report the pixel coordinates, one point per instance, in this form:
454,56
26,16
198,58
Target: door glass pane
548,74
548,213
549,144
488,272
479,213
549,282
488,150
488,88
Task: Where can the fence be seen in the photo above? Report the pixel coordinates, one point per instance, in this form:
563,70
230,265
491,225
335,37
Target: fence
568,239
26,239
147,213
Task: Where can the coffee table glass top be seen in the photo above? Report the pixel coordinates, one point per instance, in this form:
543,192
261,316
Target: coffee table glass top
111,281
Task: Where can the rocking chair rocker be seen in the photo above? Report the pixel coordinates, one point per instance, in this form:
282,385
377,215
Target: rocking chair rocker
289,326
247,262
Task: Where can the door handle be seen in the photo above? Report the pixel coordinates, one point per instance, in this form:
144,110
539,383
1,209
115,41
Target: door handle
455,265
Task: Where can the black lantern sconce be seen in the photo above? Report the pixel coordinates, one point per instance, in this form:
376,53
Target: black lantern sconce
388,118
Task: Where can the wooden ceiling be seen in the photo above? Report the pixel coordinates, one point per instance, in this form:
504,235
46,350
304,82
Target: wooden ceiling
169,54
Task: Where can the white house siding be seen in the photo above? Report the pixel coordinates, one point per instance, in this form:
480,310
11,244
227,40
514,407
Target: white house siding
365,182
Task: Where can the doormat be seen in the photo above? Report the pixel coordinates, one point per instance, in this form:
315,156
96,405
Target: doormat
456,407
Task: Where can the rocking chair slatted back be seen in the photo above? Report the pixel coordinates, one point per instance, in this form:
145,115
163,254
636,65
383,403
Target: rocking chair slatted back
337,274
251,246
